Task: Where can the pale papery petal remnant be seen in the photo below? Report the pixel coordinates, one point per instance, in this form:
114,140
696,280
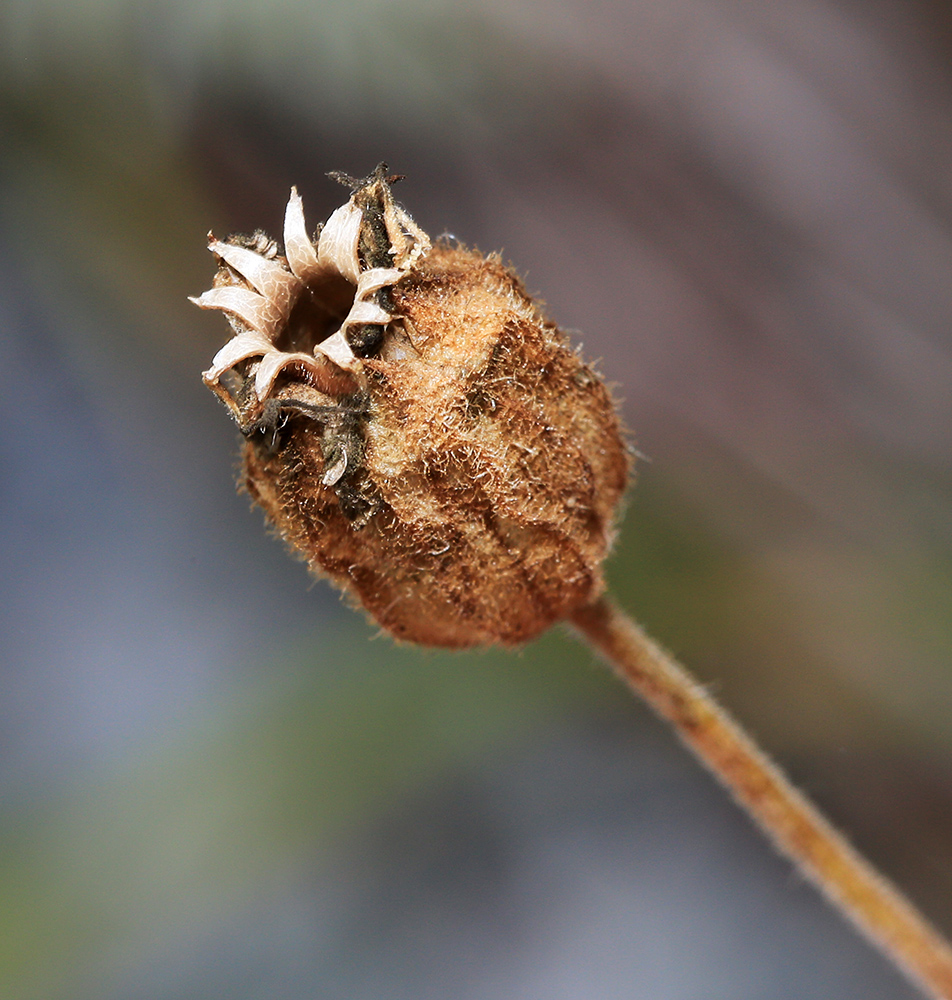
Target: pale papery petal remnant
298,248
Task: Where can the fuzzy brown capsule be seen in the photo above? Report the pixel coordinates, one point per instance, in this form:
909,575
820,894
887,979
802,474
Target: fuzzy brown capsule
415,427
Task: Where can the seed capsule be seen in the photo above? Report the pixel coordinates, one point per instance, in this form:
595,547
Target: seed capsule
414,426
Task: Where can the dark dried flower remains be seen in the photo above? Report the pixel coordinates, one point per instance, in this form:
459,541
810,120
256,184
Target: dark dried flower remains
414,425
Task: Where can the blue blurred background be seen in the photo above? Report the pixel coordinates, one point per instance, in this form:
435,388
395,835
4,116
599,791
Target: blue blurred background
215,782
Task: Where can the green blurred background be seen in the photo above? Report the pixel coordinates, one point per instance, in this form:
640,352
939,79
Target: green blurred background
216,781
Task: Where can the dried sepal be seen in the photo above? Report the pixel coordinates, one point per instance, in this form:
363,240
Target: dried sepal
415,427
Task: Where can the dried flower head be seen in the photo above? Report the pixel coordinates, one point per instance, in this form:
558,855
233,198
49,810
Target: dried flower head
414,425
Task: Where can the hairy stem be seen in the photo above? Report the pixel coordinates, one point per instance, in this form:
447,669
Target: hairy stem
793,823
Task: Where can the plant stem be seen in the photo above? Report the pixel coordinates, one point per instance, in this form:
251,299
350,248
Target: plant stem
793,823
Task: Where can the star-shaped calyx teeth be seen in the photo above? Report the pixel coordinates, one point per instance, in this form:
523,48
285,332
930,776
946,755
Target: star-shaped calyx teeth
260,314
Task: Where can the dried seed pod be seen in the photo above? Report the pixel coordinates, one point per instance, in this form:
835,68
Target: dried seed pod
415,427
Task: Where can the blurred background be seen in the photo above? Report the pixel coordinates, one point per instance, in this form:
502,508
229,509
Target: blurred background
215,781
